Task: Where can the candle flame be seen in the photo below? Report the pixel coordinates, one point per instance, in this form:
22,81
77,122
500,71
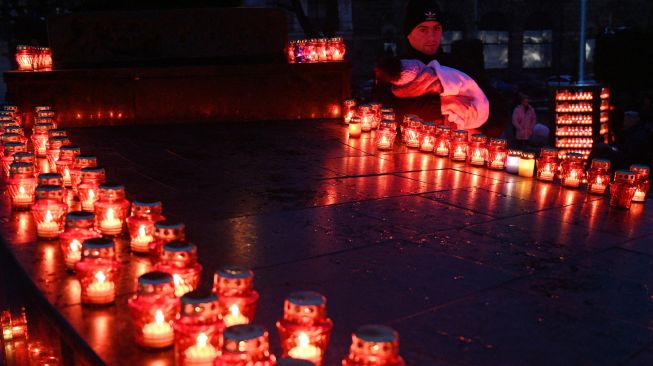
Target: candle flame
234,310
573,174
66,173
177,279
202,340
141,231
158,317
100,277
91,194
459,150
21,190
303,340
75,246
48,216
599,180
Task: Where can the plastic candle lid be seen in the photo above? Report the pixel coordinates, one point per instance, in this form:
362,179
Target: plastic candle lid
310,298
376,333
234,272
155,278
98,243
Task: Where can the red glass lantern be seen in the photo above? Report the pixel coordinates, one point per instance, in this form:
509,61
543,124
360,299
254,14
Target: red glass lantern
53,150
48,120
57,132
572,170
153,309
366,117
355,129
47,59
165,232
385,138
290,51
375,109
97,272
111,209
235,289
459,146
337,49
427,138
305,328
245,344
90,186
80,226
374,345
643,183
622,190
65,162
11,148
598,177
349,109
49,211
388,115
24,57
24,157
17,130
547,164
321,49
497,153
442,140
179,258
80,162
50,179
21,185
141,224
198,330
478,150
310,50
300,51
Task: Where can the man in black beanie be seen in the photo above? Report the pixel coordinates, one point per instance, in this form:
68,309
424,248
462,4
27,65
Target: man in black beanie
418,84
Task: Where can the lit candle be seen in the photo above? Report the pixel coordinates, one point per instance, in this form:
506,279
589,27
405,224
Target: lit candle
512,164
598,186
384,142
305,350
74,255
459,154
21,197
442,149
110,225
158,334
427,145
477,157
526,166
100,291
412,138
89,203
640,196
181,287
201,354
141,241
235,317
47,228
66,177
572,180
547,174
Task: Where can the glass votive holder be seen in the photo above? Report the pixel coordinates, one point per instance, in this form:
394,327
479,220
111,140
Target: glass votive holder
80,162
459,146
89,187
598,177
51,179
49,211
385,137
427,139
21,185
442,140
165,232
622,190
198,329
80,226
97,271
245,344
572,170
111,209
321,49
305,329
153,309
235,289
355,129
413,132
53,150
374,345
512,162
64,164
526,165
57,132
140,224
547,164
366,117
497,153
349,109
478,150
10,149
337,49
642,181
375,108
24,57
179,258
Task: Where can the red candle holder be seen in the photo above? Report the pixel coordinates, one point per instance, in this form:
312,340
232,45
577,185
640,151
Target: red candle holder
623,189
321,49
385,138
153,309
478,150
235,289
337,49
97,272
80,226
245,344
165,232
111,209
442,140
366,116
374,345
497,153
17,129
547,164
141,224
80,162
47,59
49,211
349,109
598,177
572,170
179,258
65,162
53,150
198,330
459,146
89,188
427,138
24,58
21,185
11,148
24,157
414,132
305,329
388,115
375,109
300,51
642,182
50,179
57,132
290,51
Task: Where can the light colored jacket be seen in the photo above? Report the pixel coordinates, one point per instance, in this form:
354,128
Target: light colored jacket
524,121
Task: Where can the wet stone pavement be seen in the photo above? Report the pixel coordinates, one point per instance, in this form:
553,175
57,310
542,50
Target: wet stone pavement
471,266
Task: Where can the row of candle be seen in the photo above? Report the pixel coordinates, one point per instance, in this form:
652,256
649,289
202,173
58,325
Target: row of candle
89,251
31,58
316,50
574,131
575,119
569,95
573,108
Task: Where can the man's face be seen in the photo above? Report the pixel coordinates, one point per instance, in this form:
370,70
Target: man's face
426,37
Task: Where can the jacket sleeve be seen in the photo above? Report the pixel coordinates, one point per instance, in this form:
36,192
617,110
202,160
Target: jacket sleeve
458,84
516,120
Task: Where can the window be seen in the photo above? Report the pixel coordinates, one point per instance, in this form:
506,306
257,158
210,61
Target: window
537,48
495,48
449,37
